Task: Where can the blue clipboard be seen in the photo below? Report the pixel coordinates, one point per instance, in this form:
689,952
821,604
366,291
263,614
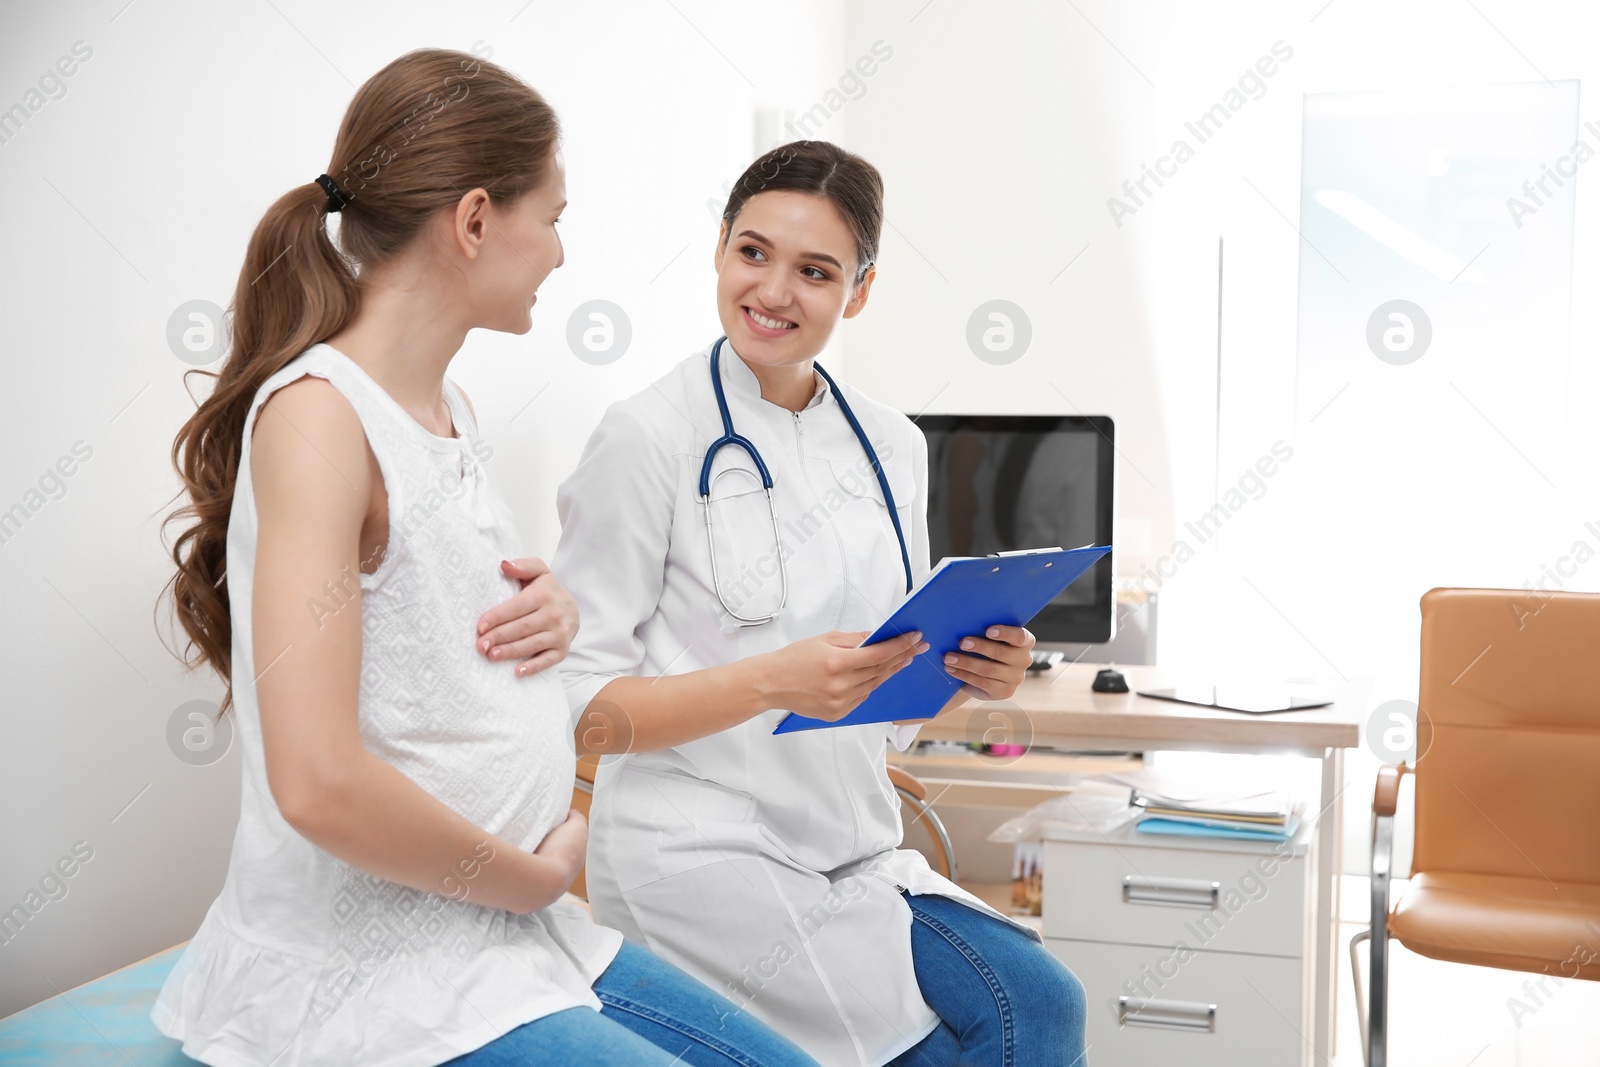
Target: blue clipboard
961,599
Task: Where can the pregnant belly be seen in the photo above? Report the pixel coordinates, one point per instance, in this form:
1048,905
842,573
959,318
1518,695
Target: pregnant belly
506,766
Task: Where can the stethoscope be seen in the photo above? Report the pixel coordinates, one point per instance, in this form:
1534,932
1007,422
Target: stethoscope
730,438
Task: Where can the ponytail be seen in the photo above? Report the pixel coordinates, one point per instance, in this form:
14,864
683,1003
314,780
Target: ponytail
294,290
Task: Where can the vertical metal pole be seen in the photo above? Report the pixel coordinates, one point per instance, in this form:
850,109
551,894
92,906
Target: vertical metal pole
1378,994
1324,969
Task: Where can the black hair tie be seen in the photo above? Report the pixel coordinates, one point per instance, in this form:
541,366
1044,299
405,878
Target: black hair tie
336,198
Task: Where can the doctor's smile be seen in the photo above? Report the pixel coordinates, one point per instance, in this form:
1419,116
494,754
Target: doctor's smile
768,325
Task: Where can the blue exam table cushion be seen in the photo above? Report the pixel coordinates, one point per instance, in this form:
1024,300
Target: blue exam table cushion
106,1021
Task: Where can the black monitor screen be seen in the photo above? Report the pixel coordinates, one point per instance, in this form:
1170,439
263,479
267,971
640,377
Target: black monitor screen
998,483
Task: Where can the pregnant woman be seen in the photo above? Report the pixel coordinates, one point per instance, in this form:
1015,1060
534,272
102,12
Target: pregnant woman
394,895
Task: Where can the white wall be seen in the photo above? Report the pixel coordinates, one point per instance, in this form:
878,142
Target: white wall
134,193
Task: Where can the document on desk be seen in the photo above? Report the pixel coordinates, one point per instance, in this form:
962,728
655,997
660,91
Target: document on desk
962,597
1209,807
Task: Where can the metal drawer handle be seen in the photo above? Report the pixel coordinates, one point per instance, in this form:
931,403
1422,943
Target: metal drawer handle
1167,1014
1171,892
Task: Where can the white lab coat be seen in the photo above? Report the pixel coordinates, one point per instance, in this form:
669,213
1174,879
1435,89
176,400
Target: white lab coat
767,866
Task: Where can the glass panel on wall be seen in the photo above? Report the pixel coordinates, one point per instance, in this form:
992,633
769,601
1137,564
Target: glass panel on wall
1433,356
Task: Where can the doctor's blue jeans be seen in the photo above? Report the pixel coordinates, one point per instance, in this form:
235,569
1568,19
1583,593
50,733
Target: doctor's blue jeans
652,1015
1002,998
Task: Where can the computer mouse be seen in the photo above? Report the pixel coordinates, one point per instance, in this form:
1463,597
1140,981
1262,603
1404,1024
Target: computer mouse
1109,680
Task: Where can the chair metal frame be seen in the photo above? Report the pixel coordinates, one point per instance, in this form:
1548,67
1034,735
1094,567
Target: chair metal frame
1375,1020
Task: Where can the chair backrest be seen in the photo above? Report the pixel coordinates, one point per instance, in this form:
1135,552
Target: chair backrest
1508,768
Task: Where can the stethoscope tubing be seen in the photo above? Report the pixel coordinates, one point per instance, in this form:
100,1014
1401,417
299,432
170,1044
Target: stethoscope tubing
729,437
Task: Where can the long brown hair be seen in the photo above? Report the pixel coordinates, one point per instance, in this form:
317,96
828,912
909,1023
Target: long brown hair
850,183
421,133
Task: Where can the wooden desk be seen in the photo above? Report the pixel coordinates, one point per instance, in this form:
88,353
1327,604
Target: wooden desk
1058,709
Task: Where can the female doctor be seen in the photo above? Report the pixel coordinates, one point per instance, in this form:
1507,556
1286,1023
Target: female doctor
723,584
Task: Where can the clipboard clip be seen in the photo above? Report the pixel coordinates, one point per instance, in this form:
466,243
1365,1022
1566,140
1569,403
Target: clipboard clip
1026,552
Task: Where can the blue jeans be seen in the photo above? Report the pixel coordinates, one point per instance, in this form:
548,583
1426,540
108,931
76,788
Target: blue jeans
1001,997
652,1015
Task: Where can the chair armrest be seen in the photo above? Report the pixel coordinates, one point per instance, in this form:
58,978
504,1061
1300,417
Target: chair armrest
901,779
1387,793
1385,799
915,794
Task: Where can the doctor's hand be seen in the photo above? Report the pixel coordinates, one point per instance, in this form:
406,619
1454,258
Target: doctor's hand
992,666
537,624
826,677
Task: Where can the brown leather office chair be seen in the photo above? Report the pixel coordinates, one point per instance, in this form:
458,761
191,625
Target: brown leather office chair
912,793
1506,866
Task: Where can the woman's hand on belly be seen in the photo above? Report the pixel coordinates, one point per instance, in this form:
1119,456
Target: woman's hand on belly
558,859
537,624
826,677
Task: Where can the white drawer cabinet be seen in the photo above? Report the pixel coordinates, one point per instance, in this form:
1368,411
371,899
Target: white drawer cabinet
1220,1009
1192,951
1252,901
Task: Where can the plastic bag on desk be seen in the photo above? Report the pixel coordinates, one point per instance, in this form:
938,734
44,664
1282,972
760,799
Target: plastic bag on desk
1073,811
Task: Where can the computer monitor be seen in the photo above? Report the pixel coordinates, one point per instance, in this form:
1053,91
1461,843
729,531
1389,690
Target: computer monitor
998,483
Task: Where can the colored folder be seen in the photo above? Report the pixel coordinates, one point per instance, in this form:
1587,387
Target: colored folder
963,597
1185,828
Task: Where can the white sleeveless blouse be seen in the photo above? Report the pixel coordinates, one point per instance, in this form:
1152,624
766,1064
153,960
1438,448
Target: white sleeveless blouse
304,960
